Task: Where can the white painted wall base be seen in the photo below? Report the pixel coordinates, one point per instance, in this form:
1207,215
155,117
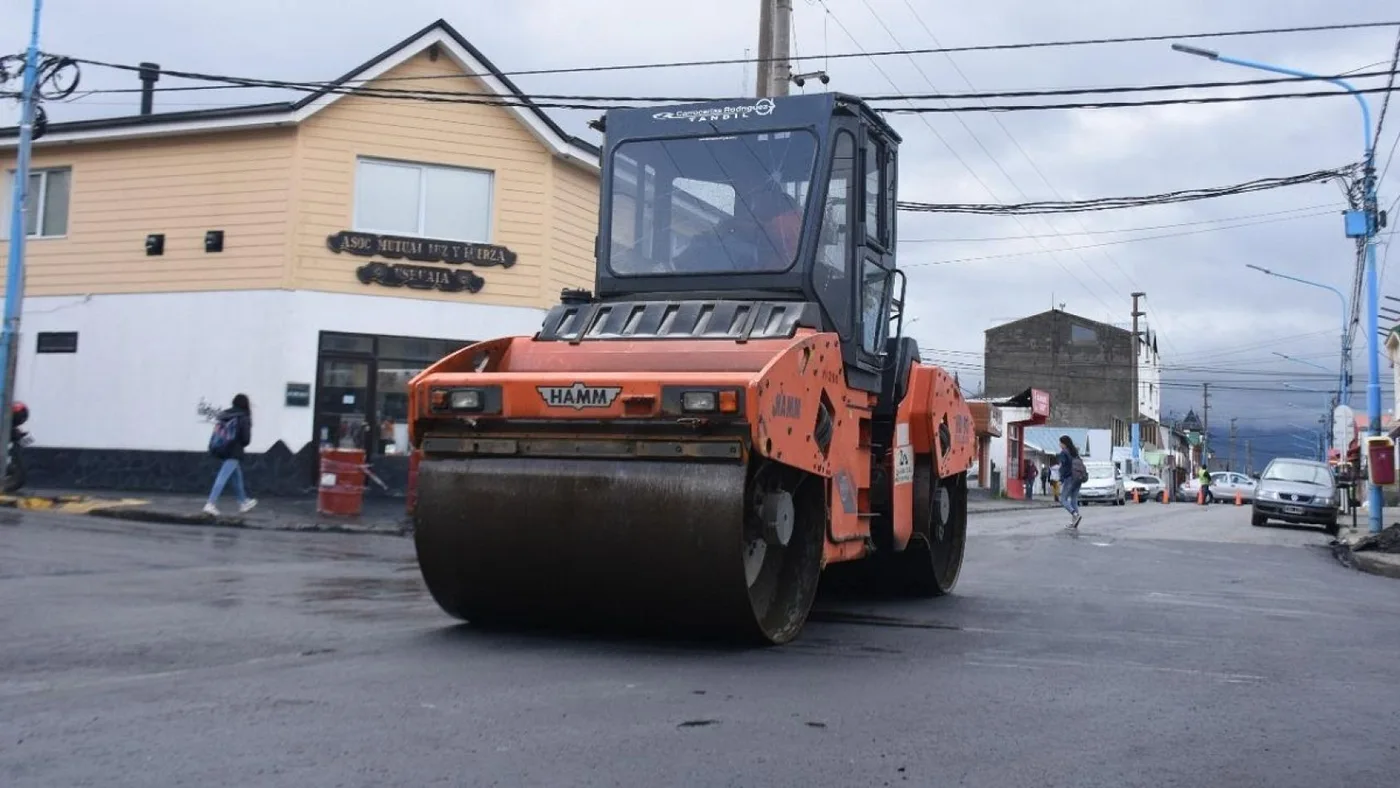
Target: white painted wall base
145,361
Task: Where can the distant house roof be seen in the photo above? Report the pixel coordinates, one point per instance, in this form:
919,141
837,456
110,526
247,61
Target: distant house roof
1047,439
290,113
1192,422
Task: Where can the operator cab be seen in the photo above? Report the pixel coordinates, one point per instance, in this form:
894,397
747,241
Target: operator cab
763,214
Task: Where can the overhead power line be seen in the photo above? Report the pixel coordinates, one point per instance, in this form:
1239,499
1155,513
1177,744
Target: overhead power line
1054,44
1390,83
567,100
1113,203
1289,215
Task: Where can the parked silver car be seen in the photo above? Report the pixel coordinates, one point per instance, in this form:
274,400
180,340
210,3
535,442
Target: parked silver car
1297,491
1150,486
1105,484
1223,486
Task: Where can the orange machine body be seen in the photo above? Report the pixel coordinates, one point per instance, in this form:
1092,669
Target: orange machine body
783,399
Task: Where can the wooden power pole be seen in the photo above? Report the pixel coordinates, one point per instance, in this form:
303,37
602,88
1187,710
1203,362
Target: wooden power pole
1248,457
774,29
1137,384
1232,444
1205,423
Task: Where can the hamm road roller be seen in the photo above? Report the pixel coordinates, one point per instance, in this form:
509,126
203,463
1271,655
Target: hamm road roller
732,412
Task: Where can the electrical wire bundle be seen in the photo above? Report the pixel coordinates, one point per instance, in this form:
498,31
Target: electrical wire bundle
56,78
1113,203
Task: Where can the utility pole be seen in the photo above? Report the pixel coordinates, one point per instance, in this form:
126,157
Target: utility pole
1134,432
19,227
1248,457
774,31
1232,444
1205,423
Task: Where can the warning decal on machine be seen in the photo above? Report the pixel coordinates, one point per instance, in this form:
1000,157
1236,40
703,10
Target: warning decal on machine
903,465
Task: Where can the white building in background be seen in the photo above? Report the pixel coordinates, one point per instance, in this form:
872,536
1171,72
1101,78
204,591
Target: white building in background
1149,365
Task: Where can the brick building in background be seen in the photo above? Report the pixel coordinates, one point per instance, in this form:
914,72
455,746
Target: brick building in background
1087,368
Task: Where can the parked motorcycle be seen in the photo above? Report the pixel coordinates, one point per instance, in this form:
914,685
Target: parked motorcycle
15,474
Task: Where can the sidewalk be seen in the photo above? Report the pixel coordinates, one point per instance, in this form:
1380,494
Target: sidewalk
378,516
1377,554
981,501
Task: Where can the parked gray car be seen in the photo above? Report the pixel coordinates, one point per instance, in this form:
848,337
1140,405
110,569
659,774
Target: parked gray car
1297,491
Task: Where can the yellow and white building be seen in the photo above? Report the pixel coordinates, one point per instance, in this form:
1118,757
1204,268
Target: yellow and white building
313,255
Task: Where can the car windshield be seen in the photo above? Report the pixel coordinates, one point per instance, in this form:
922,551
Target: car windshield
1299,472
709,204
1100,471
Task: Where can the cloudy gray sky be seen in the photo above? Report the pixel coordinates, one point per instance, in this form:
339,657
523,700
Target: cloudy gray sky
1217,320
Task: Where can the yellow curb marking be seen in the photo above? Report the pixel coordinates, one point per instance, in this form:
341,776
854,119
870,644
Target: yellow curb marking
68,504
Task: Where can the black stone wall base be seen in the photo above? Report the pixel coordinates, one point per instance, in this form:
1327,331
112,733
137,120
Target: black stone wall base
278,472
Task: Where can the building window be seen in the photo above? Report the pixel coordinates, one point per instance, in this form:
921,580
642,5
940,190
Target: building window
362,388
423,200
1082,335
45,203
56,342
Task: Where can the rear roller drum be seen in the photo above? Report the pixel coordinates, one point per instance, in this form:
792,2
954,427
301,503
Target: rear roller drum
930,565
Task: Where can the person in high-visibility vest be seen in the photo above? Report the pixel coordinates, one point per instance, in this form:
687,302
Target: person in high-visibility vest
1207,497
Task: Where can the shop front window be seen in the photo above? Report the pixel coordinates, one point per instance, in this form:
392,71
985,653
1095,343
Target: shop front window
362,391
391,403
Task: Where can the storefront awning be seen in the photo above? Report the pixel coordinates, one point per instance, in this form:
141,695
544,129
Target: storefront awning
986,418
1037,400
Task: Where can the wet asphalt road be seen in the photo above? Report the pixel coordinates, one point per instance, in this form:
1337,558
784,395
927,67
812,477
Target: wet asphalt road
1164,645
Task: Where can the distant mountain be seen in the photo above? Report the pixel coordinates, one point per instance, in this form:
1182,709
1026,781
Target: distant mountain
1263,443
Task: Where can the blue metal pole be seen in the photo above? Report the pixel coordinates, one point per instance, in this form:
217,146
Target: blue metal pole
14,270
1375,500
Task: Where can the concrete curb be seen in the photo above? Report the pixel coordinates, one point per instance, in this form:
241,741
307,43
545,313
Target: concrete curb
136,510
180,518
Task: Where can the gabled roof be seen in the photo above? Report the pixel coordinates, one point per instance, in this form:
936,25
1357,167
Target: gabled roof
290,113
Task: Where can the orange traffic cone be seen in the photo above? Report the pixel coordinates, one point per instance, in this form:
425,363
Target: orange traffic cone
1137,495
1200,497
1239,499
1166,497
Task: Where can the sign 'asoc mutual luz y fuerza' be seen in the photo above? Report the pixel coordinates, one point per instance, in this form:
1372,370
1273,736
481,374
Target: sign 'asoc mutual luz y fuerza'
420,250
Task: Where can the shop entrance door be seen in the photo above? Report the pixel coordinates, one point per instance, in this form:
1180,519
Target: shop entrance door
344,400
362,389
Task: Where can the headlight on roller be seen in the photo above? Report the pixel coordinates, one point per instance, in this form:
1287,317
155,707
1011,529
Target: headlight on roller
699,402
464,399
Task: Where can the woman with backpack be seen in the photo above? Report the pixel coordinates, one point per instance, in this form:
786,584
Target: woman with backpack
1072,475
233,431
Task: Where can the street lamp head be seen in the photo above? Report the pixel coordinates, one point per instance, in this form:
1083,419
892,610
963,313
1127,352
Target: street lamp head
1198,52
1257,268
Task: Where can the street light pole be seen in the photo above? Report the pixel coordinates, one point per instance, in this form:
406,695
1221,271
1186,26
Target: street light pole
1376,501
14,272
1344,376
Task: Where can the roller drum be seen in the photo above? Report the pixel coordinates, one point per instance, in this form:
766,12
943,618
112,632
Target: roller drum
658,546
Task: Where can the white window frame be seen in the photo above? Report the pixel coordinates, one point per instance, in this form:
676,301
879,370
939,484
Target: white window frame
7,201
422,167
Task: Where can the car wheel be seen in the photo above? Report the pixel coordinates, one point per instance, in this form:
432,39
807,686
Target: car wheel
1258,519
1332,528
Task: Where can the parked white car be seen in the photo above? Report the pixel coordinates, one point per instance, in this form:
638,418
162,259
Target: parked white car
1223,486
1105,484
1149,486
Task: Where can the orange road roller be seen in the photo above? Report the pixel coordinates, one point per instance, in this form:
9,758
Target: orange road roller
733,411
